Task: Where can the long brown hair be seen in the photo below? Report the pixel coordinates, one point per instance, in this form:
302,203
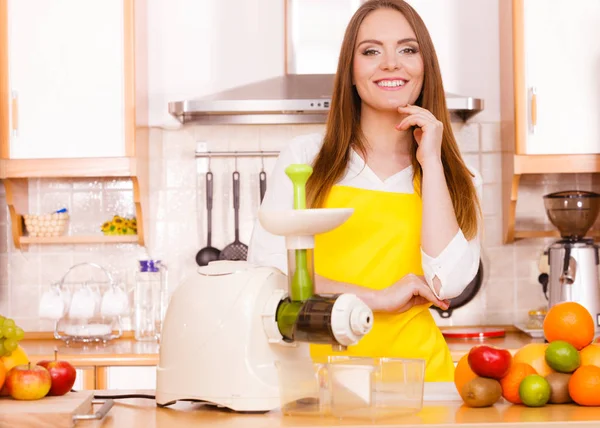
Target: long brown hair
343,122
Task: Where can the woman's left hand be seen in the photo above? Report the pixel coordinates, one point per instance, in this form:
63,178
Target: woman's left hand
428,132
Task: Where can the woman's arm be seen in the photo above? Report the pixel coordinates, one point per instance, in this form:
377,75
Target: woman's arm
449,260
411,290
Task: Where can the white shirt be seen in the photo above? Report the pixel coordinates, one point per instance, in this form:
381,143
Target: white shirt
455,266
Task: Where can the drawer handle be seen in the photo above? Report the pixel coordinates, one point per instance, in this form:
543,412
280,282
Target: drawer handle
106,406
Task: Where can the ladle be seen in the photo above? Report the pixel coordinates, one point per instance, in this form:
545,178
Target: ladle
208,253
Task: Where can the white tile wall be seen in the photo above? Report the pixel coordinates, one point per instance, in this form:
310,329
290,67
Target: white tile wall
176,218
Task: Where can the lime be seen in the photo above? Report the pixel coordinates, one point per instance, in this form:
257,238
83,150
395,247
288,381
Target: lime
562,356
534,390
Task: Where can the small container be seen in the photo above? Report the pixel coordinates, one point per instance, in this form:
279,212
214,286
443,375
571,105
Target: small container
375,388
303,388
151,297
536,319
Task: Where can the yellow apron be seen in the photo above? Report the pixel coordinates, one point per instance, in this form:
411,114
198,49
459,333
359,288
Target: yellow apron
376,247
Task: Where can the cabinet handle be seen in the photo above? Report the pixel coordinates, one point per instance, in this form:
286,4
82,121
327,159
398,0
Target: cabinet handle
533,109
15,113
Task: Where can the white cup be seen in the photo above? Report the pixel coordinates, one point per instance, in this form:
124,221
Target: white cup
114,302
52,305
83,304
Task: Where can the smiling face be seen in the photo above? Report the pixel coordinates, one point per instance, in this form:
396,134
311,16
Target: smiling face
388,67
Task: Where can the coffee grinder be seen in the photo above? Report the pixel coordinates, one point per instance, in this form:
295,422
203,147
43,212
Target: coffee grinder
573,260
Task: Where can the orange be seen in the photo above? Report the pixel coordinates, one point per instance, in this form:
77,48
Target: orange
571,322
2,374
510,383
463,373
17,357
534,354
584,386
590,355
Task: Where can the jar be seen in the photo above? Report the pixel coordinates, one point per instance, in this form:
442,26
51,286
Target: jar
536,319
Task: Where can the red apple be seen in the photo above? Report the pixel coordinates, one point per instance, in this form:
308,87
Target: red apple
27,382
489,361
63,375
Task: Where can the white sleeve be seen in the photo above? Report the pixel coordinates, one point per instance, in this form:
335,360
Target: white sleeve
457,264
266,249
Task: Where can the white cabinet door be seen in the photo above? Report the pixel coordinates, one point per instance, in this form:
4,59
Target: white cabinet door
562,63
128,377
66,78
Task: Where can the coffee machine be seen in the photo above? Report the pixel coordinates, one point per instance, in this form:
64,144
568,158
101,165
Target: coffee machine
573,260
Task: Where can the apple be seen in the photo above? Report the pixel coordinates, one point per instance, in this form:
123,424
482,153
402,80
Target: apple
27,382
489,361
63,375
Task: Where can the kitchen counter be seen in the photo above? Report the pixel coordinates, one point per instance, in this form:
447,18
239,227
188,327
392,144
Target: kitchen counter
129,352
144,413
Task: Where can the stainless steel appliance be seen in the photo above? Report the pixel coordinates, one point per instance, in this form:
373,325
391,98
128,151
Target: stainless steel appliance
573,260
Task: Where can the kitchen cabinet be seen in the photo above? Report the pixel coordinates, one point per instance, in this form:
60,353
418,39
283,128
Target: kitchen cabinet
86,379
126,377
72,99
550,94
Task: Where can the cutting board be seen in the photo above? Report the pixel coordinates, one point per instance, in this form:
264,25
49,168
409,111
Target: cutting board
55,412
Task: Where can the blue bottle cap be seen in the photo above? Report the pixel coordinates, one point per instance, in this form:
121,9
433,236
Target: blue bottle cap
149,265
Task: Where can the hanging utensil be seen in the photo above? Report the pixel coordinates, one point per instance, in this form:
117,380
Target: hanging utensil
208,253
236,250
262,179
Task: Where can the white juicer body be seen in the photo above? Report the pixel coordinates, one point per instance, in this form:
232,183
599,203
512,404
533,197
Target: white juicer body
215,346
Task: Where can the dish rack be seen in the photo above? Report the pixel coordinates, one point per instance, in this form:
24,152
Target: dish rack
95,328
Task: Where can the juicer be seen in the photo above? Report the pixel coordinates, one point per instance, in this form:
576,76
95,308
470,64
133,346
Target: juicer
573,260
227,327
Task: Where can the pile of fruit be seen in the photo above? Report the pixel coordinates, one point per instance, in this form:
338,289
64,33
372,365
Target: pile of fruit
120,226
22,380
565,370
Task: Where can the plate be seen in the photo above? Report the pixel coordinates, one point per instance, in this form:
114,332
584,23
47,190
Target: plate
474,333
538,333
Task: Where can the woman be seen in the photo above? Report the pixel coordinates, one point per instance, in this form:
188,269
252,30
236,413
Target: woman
388,152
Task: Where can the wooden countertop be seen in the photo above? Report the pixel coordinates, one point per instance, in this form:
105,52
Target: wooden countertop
144,413
129,352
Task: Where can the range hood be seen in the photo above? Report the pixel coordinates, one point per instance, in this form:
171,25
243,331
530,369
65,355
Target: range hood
313,35
289,99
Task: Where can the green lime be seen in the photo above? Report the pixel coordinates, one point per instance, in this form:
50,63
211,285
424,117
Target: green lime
534,390
562,356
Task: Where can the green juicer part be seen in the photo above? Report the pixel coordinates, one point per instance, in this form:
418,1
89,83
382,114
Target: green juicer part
302,282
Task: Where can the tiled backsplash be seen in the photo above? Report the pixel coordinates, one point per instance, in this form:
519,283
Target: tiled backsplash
176,218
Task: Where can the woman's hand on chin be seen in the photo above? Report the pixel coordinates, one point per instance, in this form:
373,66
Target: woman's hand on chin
428,132
410,291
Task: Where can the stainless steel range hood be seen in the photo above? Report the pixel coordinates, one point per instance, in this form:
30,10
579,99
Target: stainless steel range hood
303,95
294,98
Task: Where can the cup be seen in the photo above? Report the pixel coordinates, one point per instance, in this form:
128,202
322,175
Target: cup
52,305
83,304
114,302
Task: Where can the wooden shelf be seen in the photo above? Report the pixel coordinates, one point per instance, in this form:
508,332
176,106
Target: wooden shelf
556,164
17,198
71,168
81,239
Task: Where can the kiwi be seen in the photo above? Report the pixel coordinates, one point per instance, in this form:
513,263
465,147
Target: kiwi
481,392
559,388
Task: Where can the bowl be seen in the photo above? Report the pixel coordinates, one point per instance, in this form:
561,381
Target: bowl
572,212
375,388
